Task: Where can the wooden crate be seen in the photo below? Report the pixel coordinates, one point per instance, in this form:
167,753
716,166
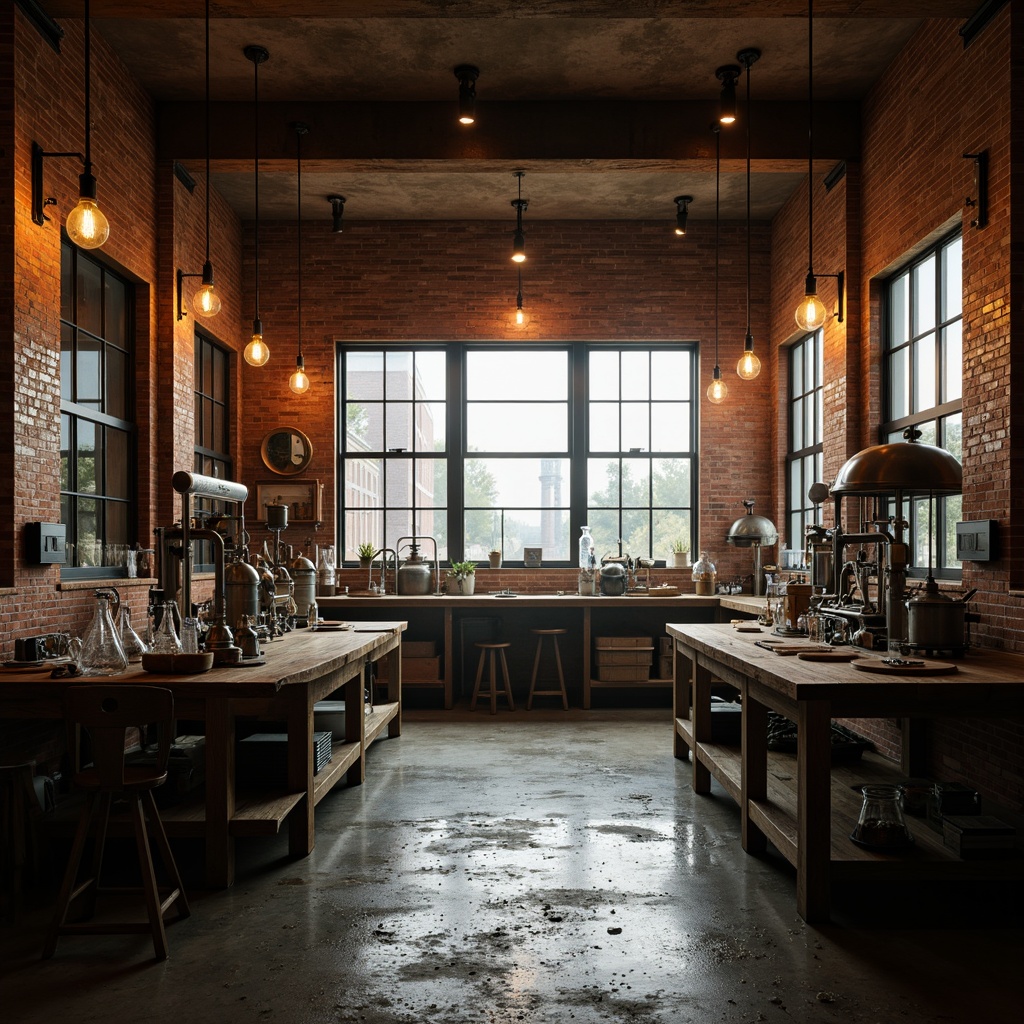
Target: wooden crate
419,648
624,641
665,666
623,673
414,670
619,656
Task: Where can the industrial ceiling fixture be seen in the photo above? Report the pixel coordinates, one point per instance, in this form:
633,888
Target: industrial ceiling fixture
256,352
749,366
86,224
810,314
337,212
717,390
518,239
727,75
467,74
520,315
298,381
682,210
206,302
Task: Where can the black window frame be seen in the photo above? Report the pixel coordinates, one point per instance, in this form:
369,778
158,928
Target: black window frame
209,459
800,511
455,454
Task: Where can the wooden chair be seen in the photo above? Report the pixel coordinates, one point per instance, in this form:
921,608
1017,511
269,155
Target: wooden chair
106,713
492,648
560,692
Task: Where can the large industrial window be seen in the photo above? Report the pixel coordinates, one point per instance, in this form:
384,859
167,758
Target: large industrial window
924,369
210,380
491,447
96,427
806,432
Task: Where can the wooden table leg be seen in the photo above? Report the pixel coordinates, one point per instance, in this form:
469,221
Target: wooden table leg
682,673
586,656
301,832
355,723
754,769
394,657
814,810
220,793
701,724
449,658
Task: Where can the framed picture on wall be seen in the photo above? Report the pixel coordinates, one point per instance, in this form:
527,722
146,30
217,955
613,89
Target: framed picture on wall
303,498
532,557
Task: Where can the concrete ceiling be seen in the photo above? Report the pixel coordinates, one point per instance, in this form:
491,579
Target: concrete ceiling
604,103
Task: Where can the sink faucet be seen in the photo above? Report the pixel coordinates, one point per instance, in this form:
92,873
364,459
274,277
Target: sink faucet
383,569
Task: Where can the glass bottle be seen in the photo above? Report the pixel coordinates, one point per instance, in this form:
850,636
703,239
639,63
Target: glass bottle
133,644
165,636
325,577
586,549
102,653
704,574
881,822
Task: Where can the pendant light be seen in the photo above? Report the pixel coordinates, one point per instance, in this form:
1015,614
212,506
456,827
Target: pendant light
518,239
520,315
298,381
682,213
717,390
87,227
727,75
206,301
810,314
256,352
749,366
467,74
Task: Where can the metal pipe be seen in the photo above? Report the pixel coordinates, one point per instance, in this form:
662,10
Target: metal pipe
208,487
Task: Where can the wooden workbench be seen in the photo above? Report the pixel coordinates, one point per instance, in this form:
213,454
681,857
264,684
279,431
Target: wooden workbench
300,669
436,617
808,809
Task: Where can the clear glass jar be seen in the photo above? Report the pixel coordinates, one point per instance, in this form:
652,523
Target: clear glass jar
704,574
881,824
587,560
102,653
165,636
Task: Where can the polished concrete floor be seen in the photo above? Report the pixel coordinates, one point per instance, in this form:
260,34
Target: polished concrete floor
537,867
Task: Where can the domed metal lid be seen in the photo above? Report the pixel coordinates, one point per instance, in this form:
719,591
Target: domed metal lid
907,466
751,530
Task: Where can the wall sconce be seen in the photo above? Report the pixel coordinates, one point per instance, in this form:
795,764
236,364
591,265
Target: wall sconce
467,74
727,75
980,198
811,314
518,238
86,224
337,212
682,210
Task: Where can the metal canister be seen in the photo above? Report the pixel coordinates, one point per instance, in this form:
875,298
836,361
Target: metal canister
241,592
414,575
303,573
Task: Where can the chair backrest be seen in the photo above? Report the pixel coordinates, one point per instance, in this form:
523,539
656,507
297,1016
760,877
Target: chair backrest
108,712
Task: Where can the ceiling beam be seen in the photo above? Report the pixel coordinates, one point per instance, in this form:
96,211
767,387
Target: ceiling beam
586,130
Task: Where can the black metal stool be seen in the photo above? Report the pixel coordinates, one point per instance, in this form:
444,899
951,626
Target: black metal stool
490,649
560,692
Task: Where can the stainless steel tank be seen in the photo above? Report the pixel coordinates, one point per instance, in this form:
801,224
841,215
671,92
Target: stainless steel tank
414,574
303,573
242,592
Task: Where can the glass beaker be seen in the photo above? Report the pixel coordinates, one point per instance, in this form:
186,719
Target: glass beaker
133,644
165,636
881,824
102,653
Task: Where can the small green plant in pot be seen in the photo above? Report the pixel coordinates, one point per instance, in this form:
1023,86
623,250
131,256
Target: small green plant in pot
366,553
680,551
462,578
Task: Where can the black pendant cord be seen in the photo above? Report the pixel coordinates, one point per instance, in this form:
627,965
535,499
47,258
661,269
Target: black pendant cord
300,130
256,176
718,166
810,138
207,131
748,202
88,97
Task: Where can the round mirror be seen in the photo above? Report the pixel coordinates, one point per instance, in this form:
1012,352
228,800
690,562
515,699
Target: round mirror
286,450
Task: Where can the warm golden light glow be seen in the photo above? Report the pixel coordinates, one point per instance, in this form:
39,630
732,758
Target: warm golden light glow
717,391
467,119
520,317
206,301
810,314
519,256
749,366
87,227
256,352
298,381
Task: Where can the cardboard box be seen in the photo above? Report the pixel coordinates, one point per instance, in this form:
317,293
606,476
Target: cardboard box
633,656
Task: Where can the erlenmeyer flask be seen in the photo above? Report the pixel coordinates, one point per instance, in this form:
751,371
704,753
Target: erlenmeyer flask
165,636
133,644
102,653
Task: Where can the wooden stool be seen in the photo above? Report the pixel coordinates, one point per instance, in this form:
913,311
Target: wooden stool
107,712
485,650
560,692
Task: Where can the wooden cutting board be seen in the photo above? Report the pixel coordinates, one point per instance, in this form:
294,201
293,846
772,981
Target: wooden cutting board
929,668
828,655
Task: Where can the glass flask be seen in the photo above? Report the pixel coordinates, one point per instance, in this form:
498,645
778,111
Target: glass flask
102,653
881,824
587,560
165,636
325,577
704,574
133,644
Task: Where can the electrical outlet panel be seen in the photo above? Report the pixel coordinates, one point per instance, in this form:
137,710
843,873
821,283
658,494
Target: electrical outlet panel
45,543
975,542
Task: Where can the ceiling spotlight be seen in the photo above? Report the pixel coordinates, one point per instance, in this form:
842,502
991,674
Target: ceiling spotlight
467,74
727,74
518,238
682,210
337,211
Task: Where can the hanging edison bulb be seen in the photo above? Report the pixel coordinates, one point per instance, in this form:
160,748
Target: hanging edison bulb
717,390
810,314
206,301
87,226
256,352
749,366
298,381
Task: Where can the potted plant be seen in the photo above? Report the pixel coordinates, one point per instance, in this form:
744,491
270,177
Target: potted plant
366,553
494,559
679,553
462,578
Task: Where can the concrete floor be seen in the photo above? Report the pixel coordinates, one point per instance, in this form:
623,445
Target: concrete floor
537,867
